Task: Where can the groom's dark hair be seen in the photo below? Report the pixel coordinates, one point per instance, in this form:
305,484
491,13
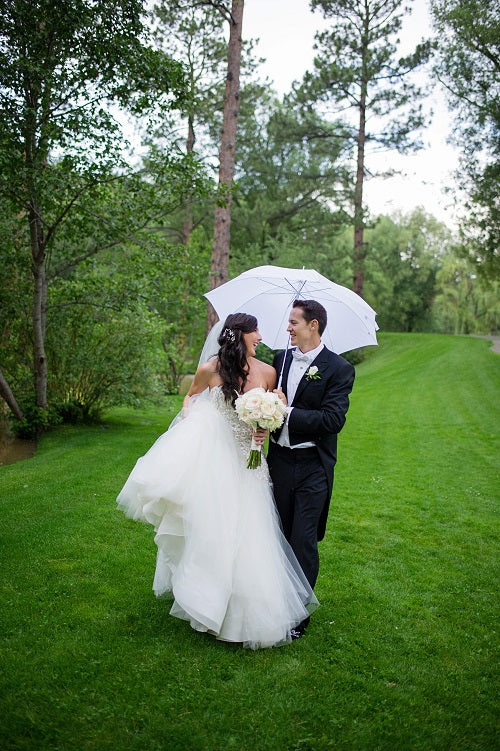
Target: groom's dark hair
312,310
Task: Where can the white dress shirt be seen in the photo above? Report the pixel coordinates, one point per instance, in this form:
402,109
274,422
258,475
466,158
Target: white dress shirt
298,367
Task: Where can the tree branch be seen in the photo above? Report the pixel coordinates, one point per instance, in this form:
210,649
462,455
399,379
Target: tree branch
83,257
51,229
9,398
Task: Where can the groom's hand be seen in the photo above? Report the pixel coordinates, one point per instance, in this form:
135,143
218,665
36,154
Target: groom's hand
281,395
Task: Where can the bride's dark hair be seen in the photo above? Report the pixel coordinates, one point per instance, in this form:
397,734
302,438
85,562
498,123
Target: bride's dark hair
232,364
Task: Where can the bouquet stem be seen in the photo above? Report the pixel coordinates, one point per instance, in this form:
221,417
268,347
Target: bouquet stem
254,457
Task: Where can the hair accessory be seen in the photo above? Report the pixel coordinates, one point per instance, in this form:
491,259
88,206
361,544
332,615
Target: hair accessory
229,335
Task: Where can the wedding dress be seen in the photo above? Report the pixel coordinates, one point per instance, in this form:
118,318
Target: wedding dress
221,552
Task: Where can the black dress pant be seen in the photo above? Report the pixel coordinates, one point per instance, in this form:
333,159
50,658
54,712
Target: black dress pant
300,492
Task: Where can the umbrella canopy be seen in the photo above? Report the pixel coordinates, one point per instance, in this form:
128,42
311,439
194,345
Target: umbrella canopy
267,292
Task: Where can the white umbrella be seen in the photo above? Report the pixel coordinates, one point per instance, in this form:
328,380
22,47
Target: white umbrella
267,292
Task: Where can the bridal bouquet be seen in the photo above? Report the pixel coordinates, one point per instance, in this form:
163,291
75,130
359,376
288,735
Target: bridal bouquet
259,409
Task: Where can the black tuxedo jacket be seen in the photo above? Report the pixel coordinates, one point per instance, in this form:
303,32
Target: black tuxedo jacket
319,410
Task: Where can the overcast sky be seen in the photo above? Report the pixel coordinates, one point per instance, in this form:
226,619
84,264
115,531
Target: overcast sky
286,31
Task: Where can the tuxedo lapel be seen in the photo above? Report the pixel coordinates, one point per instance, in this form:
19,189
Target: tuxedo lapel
321,362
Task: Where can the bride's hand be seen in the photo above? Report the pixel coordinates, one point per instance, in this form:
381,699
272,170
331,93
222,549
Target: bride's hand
259,436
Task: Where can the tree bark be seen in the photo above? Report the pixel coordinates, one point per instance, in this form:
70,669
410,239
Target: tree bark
39,307
9,398
187,224
222,214
36,158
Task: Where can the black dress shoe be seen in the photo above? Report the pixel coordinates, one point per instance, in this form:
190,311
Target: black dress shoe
295,633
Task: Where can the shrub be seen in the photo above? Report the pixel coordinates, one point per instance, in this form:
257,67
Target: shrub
35,421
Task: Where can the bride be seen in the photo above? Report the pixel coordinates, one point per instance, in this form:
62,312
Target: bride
221,552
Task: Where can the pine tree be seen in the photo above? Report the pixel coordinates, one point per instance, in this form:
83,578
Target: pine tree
356,68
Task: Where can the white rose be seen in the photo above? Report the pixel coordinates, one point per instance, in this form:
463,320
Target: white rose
252,402
268,407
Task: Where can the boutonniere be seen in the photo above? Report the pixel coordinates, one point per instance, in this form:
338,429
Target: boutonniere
312,374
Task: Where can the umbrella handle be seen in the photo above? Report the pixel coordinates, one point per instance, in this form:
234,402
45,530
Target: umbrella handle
283,363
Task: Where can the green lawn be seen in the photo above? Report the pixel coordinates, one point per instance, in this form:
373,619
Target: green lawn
401,656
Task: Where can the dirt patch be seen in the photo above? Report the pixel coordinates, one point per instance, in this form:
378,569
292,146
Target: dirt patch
14,449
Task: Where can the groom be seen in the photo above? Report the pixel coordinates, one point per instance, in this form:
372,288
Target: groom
302,454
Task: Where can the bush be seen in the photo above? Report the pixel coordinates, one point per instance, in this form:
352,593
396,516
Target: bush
35,421
101,361
265,354
355,356
76,412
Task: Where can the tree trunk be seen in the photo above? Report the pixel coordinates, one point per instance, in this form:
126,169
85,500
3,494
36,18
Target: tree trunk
187,225
36,159
39,306
359,225
222,215
359,246
9,398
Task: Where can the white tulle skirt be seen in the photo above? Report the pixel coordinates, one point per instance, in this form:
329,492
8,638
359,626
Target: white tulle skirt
221,552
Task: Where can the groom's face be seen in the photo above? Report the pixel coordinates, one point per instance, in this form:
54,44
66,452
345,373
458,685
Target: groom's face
302,333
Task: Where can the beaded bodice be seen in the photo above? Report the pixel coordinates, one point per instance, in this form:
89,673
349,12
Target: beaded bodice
242,432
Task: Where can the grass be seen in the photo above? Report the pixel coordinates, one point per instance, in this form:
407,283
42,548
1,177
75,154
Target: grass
401,655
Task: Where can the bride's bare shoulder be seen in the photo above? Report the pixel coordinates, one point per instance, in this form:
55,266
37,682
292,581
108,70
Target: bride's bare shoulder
206,376
208,367
263,374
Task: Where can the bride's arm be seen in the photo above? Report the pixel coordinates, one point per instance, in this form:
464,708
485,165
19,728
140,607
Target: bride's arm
201,381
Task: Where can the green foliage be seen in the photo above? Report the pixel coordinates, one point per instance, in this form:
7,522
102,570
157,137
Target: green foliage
355,356
182,308
402,652
78,411
291,185
125,326
35,421
195,35
128,249
119,291
356,72
468,65
265,354
418,279
61,67
403,259
102,357
356,58
15,301
465,303
73,56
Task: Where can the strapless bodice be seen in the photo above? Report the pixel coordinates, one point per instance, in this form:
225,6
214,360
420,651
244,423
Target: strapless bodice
241,431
